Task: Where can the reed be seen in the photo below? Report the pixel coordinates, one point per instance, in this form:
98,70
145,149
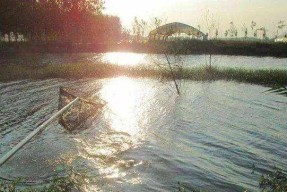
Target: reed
80,70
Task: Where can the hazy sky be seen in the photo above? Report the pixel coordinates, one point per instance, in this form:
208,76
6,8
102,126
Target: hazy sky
265,12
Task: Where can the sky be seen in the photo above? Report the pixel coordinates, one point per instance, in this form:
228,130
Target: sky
266,13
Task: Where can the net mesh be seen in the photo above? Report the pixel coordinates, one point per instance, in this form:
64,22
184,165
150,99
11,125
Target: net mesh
76,116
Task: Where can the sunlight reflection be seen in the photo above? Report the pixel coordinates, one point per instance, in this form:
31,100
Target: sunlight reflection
123,96
122,126
112,172
124,58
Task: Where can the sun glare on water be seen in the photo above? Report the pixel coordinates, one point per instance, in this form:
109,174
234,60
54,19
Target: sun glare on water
125,118
130,59
122,96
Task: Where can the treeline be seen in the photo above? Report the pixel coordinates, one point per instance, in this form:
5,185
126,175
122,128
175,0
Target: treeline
211,47
68,21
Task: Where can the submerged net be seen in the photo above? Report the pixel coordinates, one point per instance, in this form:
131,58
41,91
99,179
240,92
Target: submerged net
75,118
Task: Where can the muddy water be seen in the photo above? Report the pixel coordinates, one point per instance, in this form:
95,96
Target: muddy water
148,138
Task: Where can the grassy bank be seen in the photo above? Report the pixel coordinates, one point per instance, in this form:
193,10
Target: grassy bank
83,70
260,76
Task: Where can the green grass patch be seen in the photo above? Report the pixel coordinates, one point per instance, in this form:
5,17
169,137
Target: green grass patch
101,70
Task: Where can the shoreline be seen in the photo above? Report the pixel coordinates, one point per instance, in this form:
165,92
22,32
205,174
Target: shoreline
184,47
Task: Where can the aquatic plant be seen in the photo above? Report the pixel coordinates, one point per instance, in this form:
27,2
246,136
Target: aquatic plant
57,184
8,187
274,181
103,70
71,181
281,90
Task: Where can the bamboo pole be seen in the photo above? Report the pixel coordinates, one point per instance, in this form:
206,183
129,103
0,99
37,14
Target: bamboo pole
41,128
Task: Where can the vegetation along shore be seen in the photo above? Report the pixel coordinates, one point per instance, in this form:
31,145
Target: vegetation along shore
215,47
80,70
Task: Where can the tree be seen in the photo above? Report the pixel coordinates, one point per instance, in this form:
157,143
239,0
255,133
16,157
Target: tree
9,15
226,33
72,21
280,26
211,24
232,30
246,33
253,25
173,64
139,29
245,30
157,22
216,33
126,35
264,34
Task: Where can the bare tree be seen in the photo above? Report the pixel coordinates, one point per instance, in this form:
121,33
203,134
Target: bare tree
171,64
173,60
139,28
280,26
226,33
246,33
244,30
216,33
211,23
176,66
157,22
252,26
232,30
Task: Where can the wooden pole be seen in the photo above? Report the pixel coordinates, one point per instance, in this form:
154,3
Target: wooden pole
40,129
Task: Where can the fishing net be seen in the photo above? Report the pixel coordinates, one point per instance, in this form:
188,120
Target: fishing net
75,117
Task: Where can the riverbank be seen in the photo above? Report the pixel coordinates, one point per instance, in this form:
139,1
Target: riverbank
214,47
79,70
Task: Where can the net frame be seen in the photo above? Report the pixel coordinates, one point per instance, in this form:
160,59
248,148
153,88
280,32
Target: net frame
76,117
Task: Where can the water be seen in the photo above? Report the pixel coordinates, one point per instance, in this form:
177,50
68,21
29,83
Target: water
138,59
244,62
148,138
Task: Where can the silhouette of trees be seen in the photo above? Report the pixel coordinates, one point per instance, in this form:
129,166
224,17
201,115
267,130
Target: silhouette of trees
280,26
77,21
211,24
139,29
252,26
245,32
216,33
227,33
232,31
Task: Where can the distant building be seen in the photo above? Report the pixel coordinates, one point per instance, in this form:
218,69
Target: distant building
176,31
